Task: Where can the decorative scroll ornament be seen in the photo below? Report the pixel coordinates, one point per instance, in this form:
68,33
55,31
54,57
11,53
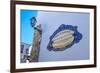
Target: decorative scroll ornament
64,37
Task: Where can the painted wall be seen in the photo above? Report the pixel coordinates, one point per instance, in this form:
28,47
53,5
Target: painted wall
50,22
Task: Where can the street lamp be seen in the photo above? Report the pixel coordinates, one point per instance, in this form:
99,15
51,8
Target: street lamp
33,21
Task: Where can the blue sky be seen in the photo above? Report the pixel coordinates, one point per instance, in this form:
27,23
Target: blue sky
26,30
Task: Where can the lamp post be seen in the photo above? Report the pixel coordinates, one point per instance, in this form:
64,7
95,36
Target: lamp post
33,21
